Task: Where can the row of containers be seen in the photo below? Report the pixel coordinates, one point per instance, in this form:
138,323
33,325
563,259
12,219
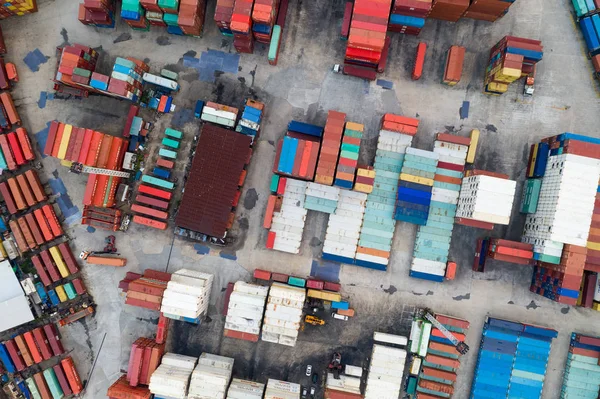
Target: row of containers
434,361
561,204
79,146
148,209
589,22
11,8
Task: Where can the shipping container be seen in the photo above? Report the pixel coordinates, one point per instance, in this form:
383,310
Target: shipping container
155,192
42,387
24,351
105,260
42,343
149,222
53,339
72,375
33,349
53,384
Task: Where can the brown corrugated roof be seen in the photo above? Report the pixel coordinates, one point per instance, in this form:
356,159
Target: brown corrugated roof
213,180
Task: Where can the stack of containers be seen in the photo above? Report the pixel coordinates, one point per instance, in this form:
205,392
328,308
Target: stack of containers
566,205
99,13
486,197
590,34
241,26
510,59
277,389
143,360
147,291
375,241
321,198
211,377
126,78
365,179
347,386
297,155
448,10
187,296
274,46
439,369
220,114
122,389
507,251
76,65
488,10
172,377
153,212
408,16
385,372
191,16
415,186
330,147
288,223
17,7
283,314
154,14
134,15
512,360
223,13
249,123
242,389
366,40
245,311
454,65
343,227
348,161
169,6
582,371
430,263
561,282
263,18
592,262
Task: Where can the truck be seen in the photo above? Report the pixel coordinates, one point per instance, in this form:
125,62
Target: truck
74,316
529,82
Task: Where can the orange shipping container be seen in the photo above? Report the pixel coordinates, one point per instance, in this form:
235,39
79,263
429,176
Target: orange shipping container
25,144
42,387
94,150
104,260
36,185
43,224
269,212
27,193
18,235
104,151
72,375
58,139
31,345
24,351
443,361
27,233
17,193
436,386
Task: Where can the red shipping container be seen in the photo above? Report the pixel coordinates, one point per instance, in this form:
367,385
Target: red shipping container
31,345
68,256
315,284
162,329
15,355
329,286
43,224
72,375
39,268
17,152
262,274
25,144
79,287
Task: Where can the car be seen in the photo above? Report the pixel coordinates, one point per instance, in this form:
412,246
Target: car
339,316
304,392
315,378
312,392
308,370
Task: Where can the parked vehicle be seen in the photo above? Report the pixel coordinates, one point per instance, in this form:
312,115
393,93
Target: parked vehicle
308,370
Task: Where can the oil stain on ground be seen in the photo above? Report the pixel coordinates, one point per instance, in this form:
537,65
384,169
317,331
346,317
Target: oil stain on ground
250,199
163,41
462,297
123,37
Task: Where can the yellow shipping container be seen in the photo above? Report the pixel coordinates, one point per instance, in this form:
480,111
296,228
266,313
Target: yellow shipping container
363,188
60,263
473,146
366,172
499,87
593,245
324,295
355,126
416,179
62,295
64,143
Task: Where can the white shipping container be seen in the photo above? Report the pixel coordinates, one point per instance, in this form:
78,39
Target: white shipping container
390,338
160,81
354,371
242,389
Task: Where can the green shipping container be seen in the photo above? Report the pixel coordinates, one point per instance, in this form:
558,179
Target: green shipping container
171,19
170,143
169,4
52,381
168,74
70,290
411,387
167,153
274,183
35,394
298,282
82,72
176,134
158,182
274,45
531,195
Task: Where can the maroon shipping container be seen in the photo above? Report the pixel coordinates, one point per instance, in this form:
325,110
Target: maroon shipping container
316,284
15,355
4,82
335,287
283,7
62,380
35,230
79,287
51,138
152,201
54,339
346,20
50,266
280,277
8,199
39,268
384,55
360,72
68,257
588,340
230,287
2,44
157,275
42,343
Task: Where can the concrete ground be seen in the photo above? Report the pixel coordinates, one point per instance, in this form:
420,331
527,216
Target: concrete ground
303,86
